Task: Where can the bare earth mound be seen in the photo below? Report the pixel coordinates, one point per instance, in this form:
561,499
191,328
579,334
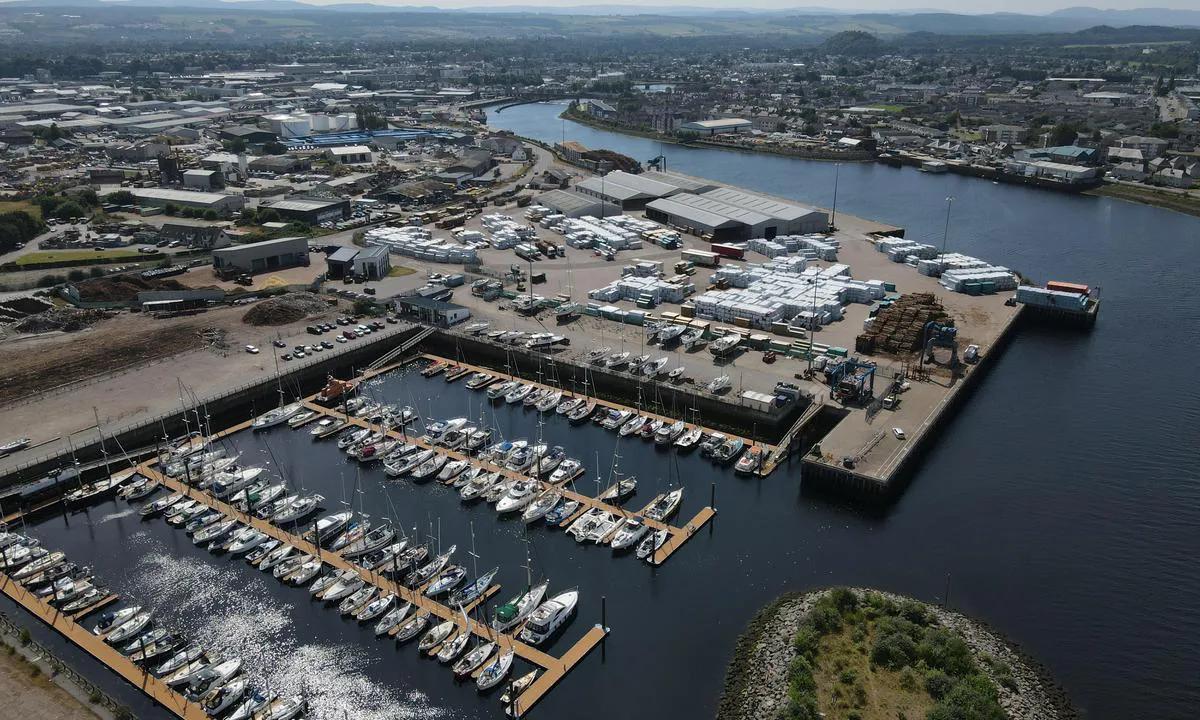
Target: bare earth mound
123,287
285,309
64,319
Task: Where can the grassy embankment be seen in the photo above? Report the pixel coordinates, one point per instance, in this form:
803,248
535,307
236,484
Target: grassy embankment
876,659
72,256
21,205
1189,204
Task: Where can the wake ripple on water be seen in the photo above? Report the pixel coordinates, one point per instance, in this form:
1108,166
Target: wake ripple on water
221,611
117,515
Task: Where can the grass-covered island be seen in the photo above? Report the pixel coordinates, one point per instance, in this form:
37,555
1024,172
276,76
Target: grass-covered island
853,654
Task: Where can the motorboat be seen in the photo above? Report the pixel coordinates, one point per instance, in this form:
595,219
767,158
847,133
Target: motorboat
597,355
540,505
651,543
180,508
585,524
187,672
494,672
299,510
499,390
306,571
549,617
13,446
652,368
147,651
257,497
230,483
271,418
375,451
725,345
247,542
144,640
676,374
620,490
531,400
581,413
616,419
568,469
46,578
499,489
497,452
562,511
454,647
692,338
519,495
454,439
434,368
551,460
352,603
328,527
471,592
750,461
474,659
718,384
479,380
435,431
690,439
138,489
429,468
113,619
453,469
650,429
412,627
128,629
375,608
392,619
449,579
670,333
42,564
500,458
708,447
518,394
631,531
616,360
521,458
300,418
729,450
477,439
464,478
665,506
436,635
668,434
260,552
513,612
352,436
89,597
327,426
549,401
348,584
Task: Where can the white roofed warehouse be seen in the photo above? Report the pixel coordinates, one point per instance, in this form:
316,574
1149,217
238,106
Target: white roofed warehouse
160,197
716,127
728,214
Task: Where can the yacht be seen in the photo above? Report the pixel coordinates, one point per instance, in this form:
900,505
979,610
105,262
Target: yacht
616,419
96,491
250,706
248,541
750,461
449,579
413,627
631,531
568,469
726,345
230,483
433,567
113,619
454,439
429,468
327,425
187,672
581,413
223,698
286,709
279,415
513,612
542,504
562,511
375,608
549,401
298,510
620,490
533,397
357,600
276,557
452,470
369,542
452,648
584,525
597,355
551,460
473,660
517,394
668,434
718,384
521,494
407,463
567,405
665,506
300,418
689,439
616,360
549,617
729,450
604,526
436,635
214,533
469,593
392,619
181,658
434,432
128,629
160,505
479,380
478,486
495,671
651,543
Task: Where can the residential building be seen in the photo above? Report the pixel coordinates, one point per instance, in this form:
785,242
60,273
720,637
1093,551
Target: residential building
1012,134
1151,147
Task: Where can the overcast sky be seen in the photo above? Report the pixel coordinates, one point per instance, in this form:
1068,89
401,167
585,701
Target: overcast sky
958,6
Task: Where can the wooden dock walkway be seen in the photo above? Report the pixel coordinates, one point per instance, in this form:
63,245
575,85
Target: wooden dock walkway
103,652
568,393
678,535
552,667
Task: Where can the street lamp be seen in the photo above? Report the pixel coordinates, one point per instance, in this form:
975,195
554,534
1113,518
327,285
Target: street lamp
946,230
837,168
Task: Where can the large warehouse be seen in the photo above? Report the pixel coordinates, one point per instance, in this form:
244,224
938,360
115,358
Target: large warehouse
574,204
728,214
311,210
261,257
160,197
631,192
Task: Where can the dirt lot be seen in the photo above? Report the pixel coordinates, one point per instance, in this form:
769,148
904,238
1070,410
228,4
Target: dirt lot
35,698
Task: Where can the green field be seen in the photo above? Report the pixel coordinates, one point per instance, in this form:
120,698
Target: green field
71,256
10,206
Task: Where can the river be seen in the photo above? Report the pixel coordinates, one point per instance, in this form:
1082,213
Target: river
1060,506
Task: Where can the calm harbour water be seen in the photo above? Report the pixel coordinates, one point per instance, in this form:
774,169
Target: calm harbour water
1061,503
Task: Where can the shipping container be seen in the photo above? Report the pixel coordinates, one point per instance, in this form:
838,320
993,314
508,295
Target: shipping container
701,257
732,251
1067,287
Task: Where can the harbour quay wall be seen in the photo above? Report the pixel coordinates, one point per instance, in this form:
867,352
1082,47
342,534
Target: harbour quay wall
662,398
823,477
228,407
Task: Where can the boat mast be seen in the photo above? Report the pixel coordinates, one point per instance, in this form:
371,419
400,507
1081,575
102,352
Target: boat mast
103,449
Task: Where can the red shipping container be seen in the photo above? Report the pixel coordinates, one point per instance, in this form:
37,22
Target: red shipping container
732,251
1067,287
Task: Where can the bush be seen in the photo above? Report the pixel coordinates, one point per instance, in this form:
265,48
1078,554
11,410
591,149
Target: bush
826,619
844,600
848,677
211,214
972,698
945,651
170,209
46,281
801,707
25,637
800,677
914,612
805,642
70,209
75,275
894,651
265,215
120,197
94,697
937,684
96,271
909,680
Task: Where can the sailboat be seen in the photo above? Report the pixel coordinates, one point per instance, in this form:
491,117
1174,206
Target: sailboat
513,612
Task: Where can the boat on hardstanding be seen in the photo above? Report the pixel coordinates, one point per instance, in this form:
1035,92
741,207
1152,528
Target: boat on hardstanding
548,617
597,355
718,384
725,345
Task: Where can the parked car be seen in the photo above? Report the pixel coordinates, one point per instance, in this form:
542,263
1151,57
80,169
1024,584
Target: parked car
252,349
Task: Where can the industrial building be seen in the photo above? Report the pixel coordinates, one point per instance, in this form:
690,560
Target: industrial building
160,197
203,179
728,214
311,210
630,192
716,127
351,155
373,263
248,134
261,257
434,312
574,204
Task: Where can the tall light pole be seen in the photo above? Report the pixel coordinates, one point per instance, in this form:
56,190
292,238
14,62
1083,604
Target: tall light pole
837,170
946,230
